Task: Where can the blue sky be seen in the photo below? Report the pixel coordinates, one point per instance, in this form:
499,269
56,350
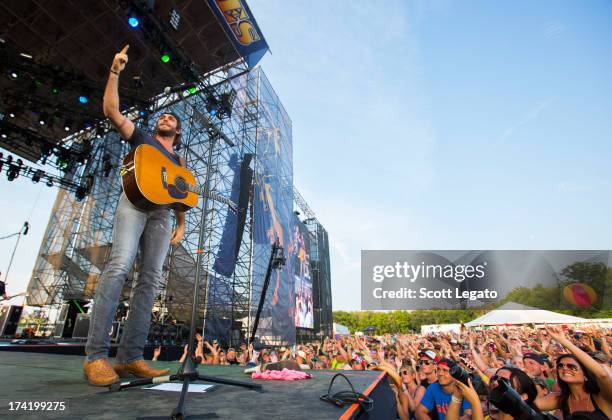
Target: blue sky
429,125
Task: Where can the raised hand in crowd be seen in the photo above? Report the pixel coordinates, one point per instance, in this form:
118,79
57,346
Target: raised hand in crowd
156,353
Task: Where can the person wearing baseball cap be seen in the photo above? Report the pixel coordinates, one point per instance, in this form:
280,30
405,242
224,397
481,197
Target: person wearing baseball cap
534,365
427,367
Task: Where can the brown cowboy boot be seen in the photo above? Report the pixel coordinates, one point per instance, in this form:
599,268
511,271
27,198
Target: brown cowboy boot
139,368
99,372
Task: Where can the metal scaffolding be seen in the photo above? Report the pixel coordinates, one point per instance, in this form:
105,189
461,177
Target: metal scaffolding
78,238
77,243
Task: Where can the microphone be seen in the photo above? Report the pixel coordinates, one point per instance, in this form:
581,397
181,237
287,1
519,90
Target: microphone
168,90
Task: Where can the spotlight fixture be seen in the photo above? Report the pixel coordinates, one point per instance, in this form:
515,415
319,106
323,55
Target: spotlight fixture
14,74
133,21
14,170
12,173
165,57
37,176
83,98
49,182
80,193
227,102
212,105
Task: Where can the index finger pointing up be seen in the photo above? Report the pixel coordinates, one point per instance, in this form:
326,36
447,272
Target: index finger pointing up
124,50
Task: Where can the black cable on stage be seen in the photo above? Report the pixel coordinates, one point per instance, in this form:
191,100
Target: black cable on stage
341,398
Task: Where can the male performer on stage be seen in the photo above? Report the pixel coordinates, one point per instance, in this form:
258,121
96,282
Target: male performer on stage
133,228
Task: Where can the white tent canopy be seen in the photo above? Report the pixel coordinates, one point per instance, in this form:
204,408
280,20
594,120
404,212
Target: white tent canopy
512,313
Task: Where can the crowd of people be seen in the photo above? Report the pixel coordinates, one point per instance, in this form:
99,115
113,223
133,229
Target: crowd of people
520,372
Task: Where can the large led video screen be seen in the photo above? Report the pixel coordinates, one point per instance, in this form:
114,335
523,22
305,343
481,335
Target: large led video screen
301,274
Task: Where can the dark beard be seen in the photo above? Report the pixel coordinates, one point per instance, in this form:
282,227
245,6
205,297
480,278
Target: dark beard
166,133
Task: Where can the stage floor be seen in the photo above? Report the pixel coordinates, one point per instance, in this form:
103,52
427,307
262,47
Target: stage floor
59,378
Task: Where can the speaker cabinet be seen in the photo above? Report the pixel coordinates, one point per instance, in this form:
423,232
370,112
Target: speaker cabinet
9,319
81,326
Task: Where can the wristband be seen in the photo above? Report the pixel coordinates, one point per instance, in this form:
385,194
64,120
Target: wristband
114,72
456,400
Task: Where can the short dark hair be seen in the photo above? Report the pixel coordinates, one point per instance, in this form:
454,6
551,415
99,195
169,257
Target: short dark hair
177,137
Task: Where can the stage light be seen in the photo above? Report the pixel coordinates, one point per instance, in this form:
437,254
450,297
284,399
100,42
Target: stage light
83,99
227,102
81,193
11,174
68,125
37,176
12,114
42,119
133,21
212,105
3,135
49,182
165,58
13,170
192,89
55,90
14,75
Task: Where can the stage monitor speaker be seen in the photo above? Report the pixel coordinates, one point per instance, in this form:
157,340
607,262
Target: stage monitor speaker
81,326
9,319
61,321
67,318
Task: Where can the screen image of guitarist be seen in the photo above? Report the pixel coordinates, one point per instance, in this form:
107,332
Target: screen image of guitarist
145,227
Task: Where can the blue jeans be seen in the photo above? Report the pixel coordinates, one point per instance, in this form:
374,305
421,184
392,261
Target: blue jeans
132,228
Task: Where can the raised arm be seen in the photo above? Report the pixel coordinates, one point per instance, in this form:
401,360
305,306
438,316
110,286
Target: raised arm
604,379
124,126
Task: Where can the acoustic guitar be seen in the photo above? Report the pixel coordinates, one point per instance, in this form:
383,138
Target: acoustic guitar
150,179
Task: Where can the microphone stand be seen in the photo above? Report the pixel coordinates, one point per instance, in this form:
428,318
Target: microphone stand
188,372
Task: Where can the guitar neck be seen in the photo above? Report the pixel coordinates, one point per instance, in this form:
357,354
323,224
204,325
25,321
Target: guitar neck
213,195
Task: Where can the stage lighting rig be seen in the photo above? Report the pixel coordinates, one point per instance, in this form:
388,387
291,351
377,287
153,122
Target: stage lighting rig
226,104
16,168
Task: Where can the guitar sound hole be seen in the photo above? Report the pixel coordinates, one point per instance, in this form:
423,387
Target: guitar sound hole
180,183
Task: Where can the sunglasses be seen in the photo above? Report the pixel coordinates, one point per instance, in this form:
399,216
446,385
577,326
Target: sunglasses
425,362
571,366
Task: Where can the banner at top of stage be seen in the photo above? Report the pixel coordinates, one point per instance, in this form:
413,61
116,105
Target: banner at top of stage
240,26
